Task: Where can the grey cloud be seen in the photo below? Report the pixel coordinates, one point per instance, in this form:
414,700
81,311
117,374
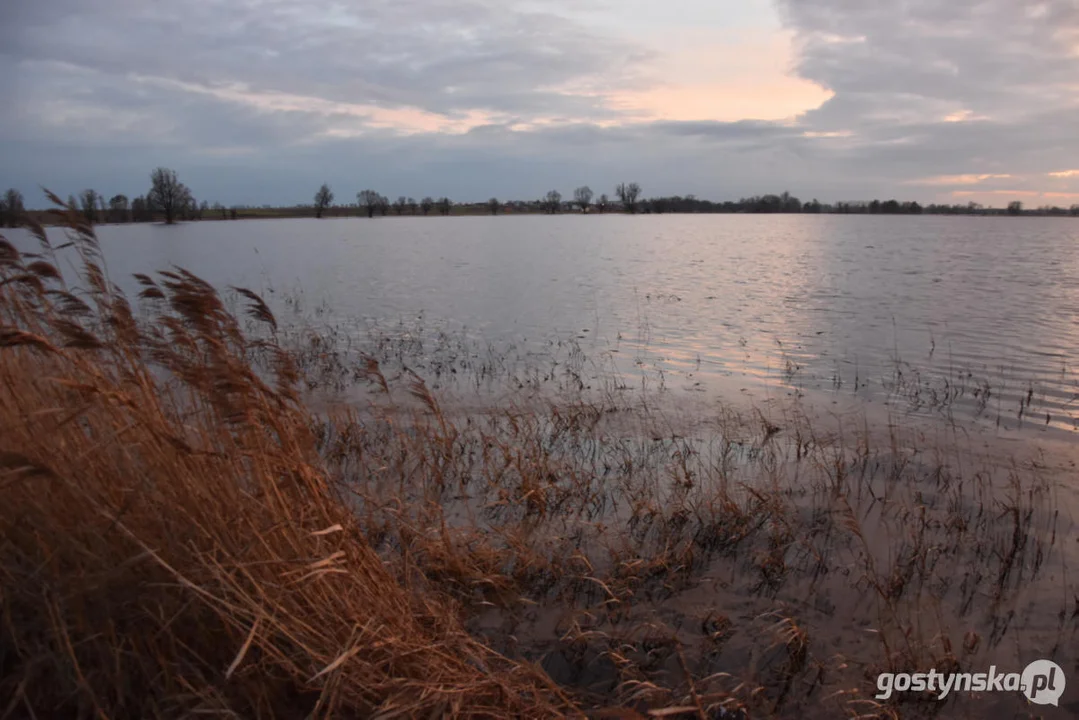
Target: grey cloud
432,54
739,131
76,106
897,69
983,54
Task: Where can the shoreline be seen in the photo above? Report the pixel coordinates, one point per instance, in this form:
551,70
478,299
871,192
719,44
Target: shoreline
477,213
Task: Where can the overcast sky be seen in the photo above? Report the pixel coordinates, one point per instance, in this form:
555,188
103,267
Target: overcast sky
259,101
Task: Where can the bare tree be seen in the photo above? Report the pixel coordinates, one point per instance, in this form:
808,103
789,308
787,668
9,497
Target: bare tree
368,201
191,207
12,207
426,204
383,205
140,212
493,205
400,204
603,204
444,205
552,203
323,200
412,206
168,194
583,197
118,209
628,194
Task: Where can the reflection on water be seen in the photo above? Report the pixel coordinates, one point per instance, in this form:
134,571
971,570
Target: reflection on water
978,315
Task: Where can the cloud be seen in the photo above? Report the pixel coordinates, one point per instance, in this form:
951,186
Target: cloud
434,55
953,180
256,100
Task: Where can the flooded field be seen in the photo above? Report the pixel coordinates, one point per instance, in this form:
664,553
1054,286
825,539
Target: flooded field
615,455
975,316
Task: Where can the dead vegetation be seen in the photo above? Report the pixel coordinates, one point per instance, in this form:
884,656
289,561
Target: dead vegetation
181,535
171,542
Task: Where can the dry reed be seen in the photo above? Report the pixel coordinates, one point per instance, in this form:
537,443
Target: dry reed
172,543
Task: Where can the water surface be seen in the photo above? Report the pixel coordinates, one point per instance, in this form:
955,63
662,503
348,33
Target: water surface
970,314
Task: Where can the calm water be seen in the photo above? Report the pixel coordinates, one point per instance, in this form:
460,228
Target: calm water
927,310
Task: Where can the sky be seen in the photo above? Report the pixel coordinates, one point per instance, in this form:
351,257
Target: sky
261,101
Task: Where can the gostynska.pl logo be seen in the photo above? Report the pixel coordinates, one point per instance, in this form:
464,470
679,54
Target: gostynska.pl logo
1042,682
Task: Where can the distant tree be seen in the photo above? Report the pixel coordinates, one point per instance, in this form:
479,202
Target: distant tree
603,203
73,204
789,203
12,208
426,204
140,212
628,194
583,197
1074,210
190,207
383,205
412,206
762,204
493,205
552,203
118,209
204,209
400,204
168,194
813,206
368,201
1015,208
323,200
233,213
444,205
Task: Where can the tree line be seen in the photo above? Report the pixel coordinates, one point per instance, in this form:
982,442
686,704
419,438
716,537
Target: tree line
170,200
167,199
371,202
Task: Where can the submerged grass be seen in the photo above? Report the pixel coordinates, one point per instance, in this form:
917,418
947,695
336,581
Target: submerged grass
182,535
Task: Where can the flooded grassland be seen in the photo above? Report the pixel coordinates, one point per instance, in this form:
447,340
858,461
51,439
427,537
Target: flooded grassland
322,509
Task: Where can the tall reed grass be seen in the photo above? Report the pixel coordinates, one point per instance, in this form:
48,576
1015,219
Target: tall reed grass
172,544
